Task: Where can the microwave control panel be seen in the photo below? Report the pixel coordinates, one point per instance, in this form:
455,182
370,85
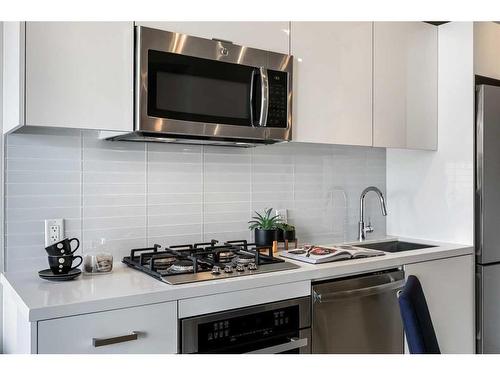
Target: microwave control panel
278,90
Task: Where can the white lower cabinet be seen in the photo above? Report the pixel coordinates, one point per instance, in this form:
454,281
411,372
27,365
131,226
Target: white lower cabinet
150,329
448,286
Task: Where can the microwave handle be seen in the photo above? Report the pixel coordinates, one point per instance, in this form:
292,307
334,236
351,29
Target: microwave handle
252,79
264,96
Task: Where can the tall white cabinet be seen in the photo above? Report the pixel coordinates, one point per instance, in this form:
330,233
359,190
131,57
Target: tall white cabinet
332,82
69,74
405,69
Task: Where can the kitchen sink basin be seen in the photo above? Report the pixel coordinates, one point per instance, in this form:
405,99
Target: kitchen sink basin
395,246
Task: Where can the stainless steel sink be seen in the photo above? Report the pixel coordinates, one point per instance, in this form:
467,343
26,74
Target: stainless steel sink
395,246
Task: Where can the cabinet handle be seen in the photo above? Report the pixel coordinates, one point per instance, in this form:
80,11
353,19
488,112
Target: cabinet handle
114,340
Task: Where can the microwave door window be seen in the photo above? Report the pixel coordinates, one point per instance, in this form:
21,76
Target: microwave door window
199,90
203,96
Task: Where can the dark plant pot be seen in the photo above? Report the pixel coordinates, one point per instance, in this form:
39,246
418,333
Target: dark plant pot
279,235
288,235
265,237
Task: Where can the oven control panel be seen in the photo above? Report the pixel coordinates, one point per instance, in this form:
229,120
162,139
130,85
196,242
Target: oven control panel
230,334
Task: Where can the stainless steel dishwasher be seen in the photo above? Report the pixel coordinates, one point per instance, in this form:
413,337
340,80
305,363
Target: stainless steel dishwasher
358,315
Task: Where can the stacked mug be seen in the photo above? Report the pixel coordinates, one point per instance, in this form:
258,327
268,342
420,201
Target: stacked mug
61,258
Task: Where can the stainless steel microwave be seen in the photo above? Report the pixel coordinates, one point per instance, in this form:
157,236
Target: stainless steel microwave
196,90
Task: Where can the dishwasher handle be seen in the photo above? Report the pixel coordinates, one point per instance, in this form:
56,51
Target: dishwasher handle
361,292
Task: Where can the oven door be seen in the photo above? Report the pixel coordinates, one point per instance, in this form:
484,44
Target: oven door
279,327
199,88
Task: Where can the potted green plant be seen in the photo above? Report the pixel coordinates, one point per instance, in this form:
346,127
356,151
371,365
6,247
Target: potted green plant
265,227
286,232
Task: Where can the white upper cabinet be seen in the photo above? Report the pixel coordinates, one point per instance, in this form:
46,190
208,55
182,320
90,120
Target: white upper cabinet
332,82
71,74
487,49
80,74
272,36
13,75
405,85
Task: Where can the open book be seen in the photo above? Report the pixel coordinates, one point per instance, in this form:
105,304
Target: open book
322,254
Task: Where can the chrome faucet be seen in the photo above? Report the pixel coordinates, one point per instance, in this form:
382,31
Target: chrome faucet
368,228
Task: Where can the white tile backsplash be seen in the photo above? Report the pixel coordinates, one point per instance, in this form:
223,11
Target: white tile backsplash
43,181
174,194
137,194
114,194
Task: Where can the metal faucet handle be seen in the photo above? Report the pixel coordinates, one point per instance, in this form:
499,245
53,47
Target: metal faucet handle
368,228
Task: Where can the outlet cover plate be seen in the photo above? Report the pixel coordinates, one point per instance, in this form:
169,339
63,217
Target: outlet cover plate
54,231
283,214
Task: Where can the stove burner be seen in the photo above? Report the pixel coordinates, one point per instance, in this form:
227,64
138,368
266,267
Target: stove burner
226,256
181,266
162,263
245,259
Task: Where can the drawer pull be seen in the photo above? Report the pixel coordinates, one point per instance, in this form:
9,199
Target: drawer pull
114,340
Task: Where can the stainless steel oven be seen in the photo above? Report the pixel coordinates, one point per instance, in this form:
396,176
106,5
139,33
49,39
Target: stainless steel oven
272,328
196,90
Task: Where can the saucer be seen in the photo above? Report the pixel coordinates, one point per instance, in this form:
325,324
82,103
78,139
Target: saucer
49,275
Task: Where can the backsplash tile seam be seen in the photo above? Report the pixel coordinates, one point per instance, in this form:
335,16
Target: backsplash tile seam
146,182
82,192
202,181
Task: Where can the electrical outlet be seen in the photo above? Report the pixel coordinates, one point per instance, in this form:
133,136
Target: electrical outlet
54,231
283,214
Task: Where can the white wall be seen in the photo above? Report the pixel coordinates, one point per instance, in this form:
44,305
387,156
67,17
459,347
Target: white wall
430,194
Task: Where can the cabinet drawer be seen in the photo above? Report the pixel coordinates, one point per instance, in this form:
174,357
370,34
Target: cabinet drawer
144,329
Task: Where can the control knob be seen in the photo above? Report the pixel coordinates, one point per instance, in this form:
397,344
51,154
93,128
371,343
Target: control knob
228,269
240,268
252,266
215,270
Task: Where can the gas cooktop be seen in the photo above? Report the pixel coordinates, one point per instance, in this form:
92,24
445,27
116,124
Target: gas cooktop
183,264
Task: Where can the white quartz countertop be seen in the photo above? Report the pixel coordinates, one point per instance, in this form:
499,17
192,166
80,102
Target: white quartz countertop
125,287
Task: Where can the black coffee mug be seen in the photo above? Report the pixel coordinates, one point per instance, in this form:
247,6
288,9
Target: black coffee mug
62,247
62,264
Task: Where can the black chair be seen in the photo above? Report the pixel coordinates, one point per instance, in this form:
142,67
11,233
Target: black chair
417,322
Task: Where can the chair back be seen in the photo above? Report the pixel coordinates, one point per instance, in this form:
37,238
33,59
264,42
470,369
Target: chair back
417,322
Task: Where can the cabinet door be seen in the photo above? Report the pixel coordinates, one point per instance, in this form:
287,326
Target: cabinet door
150,329
487,49
13,75
271,36
448,286
332,82
80,75
405,85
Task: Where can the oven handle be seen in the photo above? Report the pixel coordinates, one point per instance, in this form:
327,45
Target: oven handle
264,97
294,343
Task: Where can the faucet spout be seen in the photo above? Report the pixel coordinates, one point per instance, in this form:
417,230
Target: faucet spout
368,229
